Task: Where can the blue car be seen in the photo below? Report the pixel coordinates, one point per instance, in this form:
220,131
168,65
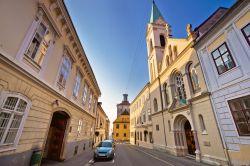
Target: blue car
104,150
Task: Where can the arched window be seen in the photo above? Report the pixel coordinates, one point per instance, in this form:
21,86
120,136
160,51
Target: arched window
193,77
180,88
202,124
155,105
13,112
162,41
165,94
150,45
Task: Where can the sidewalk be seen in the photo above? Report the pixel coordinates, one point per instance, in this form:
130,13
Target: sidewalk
79,160
168,157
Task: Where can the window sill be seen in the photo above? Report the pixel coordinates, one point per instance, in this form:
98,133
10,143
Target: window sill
29,61
228,71
204,132
6,149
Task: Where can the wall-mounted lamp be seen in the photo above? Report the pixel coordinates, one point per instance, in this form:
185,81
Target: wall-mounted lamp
56,102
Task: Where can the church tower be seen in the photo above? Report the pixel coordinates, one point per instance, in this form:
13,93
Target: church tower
157,32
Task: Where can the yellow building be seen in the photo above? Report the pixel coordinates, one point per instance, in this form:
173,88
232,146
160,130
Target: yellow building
121,127
48,91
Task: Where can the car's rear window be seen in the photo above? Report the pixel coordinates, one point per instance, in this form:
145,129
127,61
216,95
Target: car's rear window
105,144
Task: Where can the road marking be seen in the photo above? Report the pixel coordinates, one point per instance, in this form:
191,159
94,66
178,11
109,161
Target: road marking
90,162
155,157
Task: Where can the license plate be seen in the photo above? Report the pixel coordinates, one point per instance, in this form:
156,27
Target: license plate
102,154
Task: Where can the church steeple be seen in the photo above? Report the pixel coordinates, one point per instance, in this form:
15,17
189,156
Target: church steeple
155,13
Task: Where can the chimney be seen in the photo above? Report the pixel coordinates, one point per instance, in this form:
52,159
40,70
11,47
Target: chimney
125,97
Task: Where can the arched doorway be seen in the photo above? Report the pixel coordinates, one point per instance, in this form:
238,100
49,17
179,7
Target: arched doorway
183,134
189,138
55,138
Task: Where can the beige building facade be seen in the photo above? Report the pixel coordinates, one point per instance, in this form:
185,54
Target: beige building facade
140,120
224,53
183,121
48,90
102,125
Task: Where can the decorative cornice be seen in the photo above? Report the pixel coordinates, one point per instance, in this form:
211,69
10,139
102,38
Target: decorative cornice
42,84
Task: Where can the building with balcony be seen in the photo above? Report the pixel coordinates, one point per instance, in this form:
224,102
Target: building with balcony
48,91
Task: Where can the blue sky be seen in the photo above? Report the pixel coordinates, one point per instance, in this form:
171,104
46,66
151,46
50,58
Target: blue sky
112,33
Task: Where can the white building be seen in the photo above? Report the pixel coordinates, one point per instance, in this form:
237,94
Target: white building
224,54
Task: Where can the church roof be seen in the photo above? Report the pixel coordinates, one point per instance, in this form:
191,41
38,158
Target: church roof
155,13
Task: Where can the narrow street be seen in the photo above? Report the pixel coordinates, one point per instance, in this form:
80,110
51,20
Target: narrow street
129,155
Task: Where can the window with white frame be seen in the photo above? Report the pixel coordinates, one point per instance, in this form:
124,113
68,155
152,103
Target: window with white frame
149,115
90,99
12,113
77,84
85,93
240,109
39,44
223,59
64,71
79,127
246,32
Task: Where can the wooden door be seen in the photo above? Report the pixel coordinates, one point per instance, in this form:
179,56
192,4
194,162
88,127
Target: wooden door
189,138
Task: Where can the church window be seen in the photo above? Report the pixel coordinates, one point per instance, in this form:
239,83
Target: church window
180,88
162,41
150,46
193,77
165,94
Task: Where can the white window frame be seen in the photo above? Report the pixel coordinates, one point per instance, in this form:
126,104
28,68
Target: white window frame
3,97
90,99
64,81
40,44
77,84
85,93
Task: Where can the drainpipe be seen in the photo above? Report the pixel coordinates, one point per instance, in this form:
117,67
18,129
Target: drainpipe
214,111
220,133
197,146
162,112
